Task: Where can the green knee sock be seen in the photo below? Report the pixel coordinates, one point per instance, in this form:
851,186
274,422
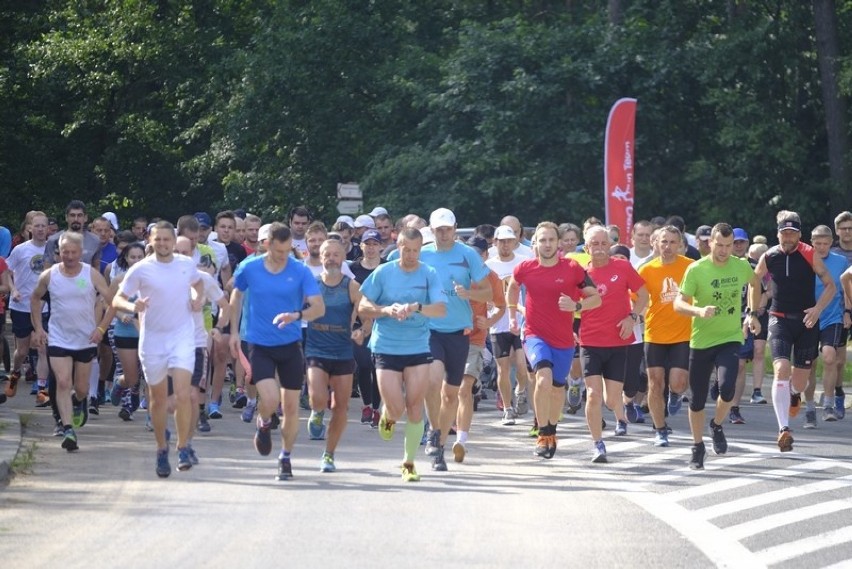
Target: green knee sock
413,434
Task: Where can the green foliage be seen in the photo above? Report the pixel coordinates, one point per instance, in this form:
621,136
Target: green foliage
168,107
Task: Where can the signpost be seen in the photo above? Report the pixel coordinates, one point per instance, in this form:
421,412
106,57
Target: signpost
350,200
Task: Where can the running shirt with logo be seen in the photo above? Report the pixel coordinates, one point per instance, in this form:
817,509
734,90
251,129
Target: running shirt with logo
390,284
26,261
615,281
662,324
272,294
330,336
72,309
792,278
833,313
461,265
711,285
167,321
545,285
503,270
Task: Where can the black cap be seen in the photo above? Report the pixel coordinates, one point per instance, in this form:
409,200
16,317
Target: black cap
620,250
703,231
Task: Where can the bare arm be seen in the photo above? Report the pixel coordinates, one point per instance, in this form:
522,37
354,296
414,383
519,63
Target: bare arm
36,302
683,305
479,291
812,314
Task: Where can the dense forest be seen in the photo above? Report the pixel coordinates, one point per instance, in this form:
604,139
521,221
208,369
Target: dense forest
488,107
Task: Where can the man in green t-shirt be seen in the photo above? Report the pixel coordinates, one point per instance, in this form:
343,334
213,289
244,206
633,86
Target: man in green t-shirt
711,294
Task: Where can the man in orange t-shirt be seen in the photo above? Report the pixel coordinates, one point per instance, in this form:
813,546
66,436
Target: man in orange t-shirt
473,367
666,332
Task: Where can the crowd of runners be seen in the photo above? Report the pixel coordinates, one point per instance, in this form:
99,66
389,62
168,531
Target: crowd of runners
159,318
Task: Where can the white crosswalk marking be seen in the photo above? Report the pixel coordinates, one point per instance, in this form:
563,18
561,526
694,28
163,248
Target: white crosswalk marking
775,521
793,549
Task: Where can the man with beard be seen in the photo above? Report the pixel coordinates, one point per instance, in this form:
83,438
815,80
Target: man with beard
557,288
793,316
75,216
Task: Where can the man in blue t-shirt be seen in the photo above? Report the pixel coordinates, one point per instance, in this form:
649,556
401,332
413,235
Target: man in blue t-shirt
402,297
283,292
464,276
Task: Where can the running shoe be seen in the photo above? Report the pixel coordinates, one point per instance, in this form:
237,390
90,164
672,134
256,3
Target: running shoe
542,446
551,446
599,454
285,469
409,473
248,411
366,415
42,398
640,416
720,443
696,462
386,427
116,394
661,438
304,403
69,440
757,398
810,419
433,443
184,463
193,458
316,427
424,438
58,429
263,436
500,405
533,433
213,411
785,440
143,403
12,386
795,404
81,412
232,393
34,388
163,466
675,403
125,415
148,425
374,424
735,417
630,410
574,396
522,403
327,463
828,415
203,422
241,399
459,451
620,428
438,462
839,406
714,390
93,406
509,417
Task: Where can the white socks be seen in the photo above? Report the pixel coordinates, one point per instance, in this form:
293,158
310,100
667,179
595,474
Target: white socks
781,401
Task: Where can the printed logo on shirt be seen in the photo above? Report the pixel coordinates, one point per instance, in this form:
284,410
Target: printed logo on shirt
670,290
613,278
37,263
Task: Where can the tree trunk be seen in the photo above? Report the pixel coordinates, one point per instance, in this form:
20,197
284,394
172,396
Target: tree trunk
825,19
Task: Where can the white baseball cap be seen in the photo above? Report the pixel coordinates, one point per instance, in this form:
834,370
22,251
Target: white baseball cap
378,211
504,232
346,219
113,220
428,236
442,217
365,221
263,232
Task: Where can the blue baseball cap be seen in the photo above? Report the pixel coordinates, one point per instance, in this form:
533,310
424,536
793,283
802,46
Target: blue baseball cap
740,234
203,219
371,234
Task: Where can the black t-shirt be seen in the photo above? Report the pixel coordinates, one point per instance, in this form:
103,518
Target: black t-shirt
361,272
236,254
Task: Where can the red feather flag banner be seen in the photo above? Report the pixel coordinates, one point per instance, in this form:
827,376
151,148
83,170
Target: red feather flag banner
618,167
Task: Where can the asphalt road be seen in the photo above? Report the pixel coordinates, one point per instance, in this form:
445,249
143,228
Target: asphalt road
104,506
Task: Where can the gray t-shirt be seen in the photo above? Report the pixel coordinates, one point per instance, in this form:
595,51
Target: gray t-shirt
91,249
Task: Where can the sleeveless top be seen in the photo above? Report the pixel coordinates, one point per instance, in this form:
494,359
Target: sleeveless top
72,309
330,336
793,280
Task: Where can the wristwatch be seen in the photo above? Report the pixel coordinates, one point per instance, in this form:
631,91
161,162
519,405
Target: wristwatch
634,316
578,306
419,307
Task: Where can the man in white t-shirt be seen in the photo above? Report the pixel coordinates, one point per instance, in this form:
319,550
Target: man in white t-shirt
520,250
503,341
162,284
642,251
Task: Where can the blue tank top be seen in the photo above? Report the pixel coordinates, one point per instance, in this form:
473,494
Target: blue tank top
330,336
123,330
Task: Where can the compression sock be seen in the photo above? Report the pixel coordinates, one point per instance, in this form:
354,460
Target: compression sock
781,401
413,434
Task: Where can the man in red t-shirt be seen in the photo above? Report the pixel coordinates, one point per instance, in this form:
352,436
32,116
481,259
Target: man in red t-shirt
605,333
556,288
